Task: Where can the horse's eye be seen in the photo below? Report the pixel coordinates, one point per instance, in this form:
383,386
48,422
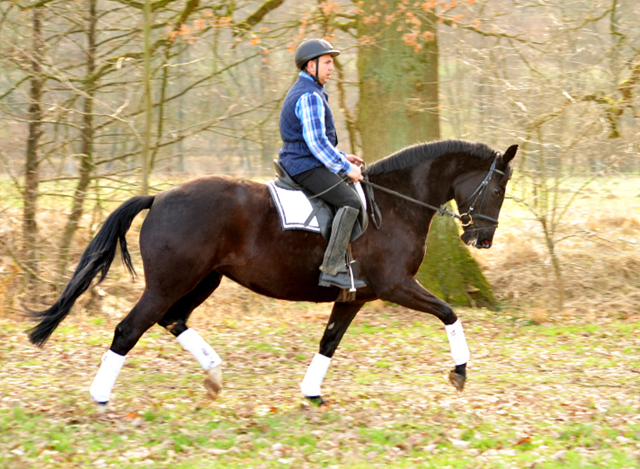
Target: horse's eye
497,192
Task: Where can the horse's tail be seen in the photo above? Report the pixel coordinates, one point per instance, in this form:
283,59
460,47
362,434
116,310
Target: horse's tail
97,258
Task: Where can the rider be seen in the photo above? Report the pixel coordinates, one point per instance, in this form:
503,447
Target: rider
310,156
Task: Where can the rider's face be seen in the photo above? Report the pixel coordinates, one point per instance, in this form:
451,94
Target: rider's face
325,67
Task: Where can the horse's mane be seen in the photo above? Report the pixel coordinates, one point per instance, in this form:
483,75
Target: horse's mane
411,156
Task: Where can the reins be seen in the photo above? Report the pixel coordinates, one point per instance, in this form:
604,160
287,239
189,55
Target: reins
441,210
376,215
466,219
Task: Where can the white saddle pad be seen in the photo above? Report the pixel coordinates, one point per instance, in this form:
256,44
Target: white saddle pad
294,208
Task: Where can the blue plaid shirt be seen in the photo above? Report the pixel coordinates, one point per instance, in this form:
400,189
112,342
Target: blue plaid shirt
310,111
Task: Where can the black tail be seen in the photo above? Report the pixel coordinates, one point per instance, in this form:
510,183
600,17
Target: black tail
97,258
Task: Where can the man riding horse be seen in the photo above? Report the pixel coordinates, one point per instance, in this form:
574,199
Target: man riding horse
200,231
310,157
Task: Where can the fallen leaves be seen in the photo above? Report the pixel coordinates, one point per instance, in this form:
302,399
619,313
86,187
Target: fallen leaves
560,391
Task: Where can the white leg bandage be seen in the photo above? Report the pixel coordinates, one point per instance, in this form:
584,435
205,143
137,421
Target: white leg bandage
106,378
202,351
458,343
310,385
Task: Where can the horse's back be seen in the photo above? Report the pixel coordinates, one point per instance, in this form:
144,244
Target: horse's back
193,222
205,200
230,225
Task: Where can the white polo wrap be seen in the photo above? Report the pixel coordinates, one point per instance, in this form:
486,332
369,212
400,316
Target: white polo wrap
458,343
106,378
310,385
202,351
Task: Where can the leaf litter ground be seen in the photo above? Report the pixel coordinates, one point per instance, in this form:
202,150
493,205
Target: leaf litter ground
545,390
562,394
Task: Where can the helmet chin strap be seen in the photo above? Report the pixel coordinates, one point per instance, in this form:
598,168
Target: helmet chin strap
314,76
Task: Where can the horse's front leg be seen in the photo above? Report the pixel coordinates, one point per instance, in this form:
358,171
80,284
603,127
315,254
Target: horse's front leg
411,294
341,316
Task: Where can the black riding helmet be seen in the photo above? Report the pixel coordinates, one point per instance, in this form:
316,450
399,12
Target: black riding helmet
313,49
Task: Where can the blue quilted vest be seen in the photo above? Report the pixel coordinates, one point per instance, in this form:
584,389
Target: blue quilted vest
295,155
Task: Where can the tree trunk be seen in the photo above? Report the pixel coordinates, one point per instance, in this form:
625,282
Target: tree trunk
148,104
86,152
398,89
30,228
450,272
399,106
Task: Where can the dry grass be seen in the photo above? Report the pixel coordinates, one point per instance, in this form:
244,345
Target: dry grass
563,394
600,269
600,264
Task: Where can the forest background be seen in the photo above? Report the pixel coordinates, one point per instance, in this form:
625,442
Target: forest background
102,100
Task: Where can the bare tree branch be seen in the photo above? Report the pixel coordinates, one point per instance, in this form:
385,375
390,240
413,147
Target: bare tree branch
259,14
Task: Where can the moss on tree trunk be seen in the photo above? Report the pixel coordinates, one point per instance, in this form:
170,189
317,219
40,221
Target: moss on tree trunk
398,87
450,272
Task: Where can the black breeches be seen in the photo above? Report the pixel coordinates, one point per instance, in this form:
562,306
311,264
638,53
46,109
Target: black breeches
320,179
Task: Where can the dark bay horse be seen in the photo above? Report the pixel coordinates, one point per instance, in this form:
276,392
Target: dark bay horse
199,231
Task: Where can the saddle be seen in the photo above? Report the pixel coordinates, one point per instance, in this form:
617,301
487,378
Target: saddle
299,209
320,218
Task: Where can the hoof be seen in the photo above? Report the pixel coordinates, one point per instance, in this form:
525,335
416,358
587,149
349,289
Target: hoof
317,401
213,382
457,380
102,406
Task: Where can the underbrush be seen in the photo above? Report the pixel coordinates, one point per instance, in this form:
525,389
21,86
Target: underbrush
600,270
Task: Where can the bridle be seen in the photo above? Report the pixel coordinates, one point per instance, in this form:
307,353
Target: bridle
466,219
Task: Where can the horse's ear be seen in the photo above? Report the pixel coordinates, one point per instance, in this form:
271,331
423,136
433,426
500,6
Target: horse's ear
509,154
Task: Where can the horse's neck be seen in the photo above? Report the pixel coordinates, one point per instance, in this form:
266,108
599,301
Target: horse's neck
430,182
422,183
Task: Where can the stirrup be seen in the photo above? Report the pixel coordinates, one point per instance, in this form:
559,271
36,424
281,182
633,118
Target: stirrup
341,280
345,278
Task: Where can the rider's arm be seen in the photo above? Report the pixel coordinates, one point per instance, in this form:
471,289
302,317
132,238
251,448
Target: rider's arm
310,111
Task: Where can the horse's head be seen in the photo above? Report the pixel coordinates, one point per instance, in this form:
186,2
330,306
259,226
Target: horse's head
479,195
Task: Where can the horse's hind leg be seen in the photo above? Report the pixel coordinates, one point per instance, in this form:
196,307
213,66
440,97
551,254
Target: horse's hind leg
175,321
145,314
341,316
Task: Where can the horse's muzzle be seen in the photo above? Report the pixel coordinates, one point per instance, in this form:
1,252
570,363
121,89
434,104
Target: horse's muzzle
477,240
482,244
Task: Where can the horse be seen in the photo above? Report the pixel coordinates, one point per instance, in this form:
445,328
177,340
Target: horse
201,230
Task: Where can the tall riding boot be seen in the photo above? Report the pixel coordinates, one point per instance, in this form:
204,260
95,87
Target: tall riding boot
334,256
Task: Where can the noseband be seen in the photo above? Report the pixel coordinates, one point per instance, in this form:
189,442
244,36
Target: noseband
466,219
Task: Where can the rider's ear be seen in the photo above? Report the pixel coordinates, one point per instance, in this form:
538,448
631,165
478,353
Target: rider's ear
509,154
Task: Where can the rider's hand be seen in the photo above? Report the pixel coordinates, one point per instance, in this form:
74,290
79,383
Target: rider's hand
355,160
355,174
